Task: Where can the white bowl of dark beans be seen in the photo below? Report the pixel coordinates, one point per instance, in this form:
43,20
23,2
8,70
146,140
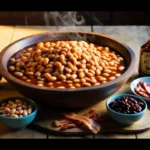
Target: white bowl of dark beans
60,70
126,109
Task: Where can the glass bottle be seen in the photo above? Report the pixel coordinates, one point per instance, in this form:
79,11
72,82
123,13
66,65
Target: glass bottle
144,63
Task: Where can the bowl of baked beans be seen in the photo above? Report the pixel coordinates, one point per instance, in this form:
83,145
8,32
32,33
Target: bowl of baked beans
64,71
17,112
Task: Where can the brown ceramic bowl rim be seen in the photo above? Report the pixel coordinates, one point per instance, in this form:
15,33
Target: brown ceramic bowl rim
125,75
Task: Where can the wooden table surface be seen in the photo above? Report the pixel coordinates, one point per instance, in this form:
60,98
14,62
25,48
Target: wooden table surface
133,36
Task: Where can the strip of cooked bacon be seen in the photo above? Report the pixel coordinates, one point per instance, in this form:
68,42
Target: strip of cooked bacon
141,87
66,123
147,89
70,125
59,123
88,122
137,90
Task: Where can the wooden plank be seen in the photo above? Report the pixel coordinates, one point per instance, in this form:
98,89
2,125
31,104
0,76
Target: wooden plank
115,136
143,135
5,35
6,133
69,137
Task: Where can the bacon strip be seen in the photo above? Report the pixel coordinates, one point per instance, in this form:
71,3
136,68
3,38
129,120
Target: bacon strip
137,90
146,88
88,122
140,87
66,123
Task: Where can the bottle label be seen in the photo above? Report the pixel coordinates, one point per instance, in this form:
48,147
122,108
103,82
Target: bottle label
145,63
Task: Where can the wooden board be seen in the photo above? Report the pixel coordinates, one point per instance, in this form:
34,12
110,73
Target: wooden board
46,118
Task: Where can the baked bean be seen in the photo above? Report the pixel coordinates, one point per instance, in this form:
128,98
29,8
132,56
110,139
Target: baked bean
29,110
102,79
62,77
19,74
7,109
117,74
28,80
25,113
104,82
81,75
41,69
56,74
97,83
68,70
13,111
42,79
98,72
112,78
38,74
46,61
68,75
14,105
62,59
93,81
106,74
19,108
21,112
107,71
121,68
72,77
86,84
14,116
61,87
76,80
77,85
12,68
12,60
69,81
49,77
89,74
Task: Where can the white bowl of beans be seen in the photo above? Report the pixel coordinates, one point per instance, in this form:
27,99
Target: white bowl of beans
65,71
17,112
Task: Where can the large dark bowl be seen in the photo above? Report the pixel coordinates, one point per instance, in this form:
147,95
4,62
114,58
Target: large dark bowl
68,98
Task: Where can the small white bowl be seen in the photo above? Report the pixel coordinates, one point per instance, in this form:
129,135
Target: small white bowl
134,84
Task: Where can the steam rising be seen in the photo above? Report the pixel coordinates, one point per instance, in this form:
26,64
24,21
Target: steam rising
92,15
65,19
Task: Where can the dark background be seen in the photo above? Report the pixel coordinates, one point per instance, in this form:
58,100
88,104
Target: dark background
104,17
